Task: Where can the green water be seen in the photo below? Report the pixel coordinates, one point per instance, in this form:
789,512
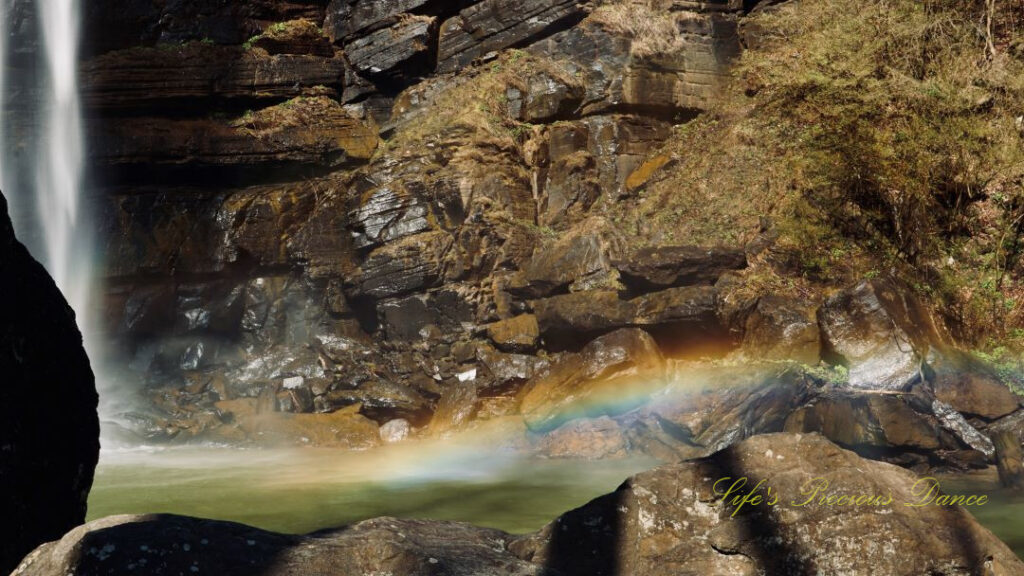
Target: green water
303,490
1004,512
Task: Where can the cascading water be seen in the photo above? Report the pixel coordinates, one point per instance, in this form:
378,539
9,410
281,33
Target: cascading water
59,170
41,146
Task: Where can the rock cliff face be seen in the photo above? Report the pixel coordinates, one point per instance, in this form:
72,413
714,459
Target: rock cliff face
48,448
325,217
670,520
370,206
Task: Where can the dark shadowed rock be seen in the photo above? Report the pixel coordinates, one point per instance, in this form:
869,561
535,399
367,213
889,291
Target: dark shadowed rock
1010,459
670,521
164,545
49,430
196,73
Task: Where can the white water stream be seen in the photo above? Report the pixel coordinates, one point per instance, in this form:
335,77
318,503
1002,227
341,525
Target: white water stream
41,147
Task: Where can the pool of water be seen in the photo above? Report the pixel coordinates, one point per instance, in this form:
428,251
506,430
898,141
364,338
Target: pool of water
303,490
1004,512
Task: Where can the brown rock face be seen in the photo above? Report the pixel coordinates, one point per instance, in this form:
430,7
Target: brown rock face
668,521
48,449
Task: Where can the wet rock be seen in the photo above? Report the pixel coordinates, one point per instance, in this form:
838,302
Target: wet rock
383,400
610,375
115,25
340,429
519,334
958,425
881,332
658,267
345,18
411,264
395,431
1014,423
507,372
589,438
493,25
456,408
415,317
670,520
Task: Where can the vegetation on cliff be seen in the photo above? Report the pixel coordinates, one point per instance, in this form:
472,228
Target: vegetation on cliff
885,139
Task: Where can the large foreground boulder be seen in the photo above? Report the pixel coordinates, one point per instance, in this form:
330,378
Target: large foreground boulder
49,429
668,521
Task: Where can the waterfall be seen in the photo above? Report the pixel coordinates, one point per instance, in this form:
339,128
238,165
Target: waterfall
41,148
59,169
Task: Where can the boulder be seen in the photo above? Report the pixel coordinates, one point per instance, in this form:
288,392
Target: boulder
610,375
457,406
49,428
970,386
395,431
864,421
881,332
674,520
